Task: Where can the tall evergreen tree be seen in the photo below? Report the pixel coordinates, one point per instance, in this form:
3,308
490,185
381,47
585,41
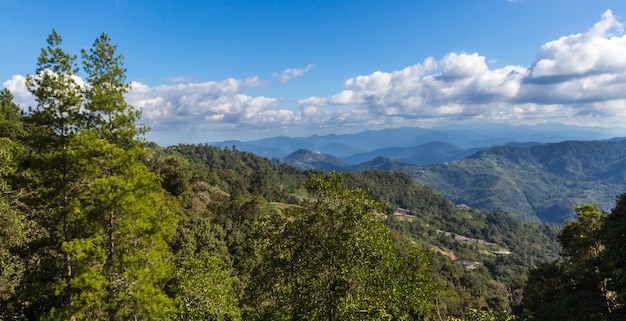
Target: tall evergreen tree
110,116
55,182
56,89
127,220
106,218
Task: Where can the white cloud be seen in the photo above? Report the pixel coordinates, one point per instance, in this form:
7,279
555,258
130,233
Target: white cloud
291,73
456,85
21,96
580,68
578,79
204,105
598,50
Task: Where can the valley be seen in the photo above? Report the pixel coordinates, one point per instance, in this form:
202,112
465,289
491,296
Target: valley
536,181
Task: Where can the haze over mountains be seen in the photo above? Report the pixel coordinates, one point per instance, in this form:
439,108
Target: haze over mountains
352,148
541,182
535,173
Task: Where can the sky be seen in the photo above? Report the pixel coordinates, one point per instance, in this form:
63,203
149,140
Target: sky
206,71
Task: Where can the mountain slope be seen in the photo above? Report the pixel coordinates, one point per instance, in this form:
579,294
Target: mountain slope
381,163
540,182
477,256
424,154
463,136
306,159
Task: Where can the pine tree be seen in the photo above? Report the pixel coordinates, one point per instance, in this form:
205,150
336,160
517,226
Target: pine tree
126,209
110,116
54,180
106,217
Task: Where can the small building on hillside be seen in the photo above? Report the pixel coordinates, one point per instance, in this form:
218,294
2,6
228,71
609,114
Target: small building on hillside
403,212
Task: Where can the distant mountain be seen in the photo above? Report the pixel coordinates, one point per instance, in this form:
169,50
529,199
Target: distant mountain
381,163
531,181
535,173
263,151
338,149
411,144
540,182
307,159
424,154
522,145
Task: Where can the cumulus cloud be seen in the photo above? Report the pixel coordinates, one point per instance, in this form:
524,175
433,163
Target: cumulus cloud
580,68
578,78
580,75
21,95
292,73
458,84
205,105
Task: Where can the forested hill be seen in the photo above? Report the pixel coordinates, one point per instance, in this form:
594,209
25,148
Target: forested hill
540,182
97,224
462,240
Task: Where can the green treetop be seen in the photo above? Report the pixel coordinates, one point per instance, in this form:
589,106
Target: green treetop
333,260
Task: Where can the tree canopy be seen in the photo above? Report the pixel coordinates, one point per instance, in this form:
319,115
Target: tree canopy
98,224
586,283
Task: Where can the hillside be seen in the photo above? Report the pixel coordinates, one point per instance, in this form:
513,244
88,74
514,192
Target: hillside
424,154
306,159
364,146
489,253
531,181
540,182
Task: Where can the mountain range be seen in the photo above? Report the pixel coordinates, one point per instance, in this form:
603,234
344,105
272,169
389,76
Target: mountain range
455,140
533,180
541,182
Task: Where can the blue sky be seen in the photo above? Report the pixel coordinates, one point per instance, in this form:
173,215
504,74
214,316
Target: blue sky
217,70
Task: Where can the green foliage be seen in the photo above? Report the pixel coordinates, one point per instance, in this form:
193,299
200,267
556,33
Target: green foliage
538,183
204,290
13,228
11,122
131,219
96,224
613,237
580,239
333,260
236,172
575,287
497,281
482,315
496,285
